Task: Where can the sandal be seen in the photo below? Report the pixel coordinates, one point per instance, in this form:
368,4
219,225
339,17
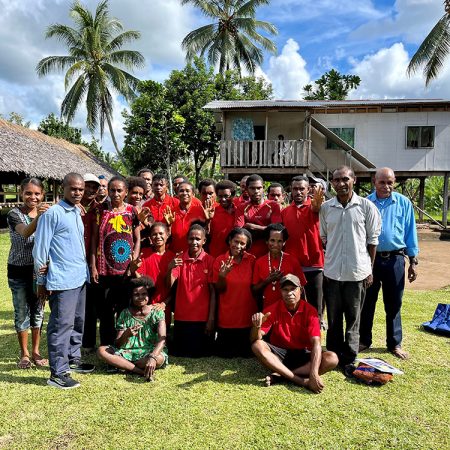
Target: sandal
39,361
24,363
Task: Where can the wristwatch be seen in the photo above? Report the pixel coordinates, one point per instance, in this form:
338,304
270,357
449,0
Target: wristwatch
413,261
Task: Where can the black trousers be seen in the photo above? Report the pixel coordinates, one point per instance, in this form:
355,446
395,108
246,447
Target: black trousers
314,290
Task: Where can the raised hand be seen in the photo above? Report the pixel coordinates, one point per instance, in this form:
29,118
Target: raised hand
259,318
274,275
145,216
169,215
177,261
135,263
209,209
133,331
318,199
226,267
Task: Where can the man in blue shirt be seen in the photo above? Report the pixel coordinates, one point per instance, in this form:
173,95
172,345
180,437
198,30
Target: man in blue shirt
59,245
398,239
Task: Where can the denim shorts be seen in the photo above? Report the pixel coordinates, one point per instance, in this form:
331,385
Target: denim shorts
28,311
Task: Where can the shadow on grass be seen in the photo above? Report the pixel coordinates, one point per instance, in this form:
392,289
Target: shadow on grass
438,334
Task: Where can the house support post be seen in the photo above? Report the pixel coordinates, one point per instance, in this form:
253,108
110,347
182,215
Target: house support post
421,197
445,197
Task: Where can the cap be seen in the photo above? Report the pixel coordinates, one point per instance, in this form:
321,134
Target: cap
316,180
290,278
91,177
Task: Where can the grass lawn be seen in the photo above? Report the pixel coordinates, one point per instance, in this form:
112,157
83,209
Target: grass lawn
213,403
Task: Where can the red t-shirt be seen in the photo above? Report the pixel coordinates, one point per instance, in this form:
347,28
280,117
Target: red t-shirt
261,272
193,295
304,240
157,208
291,331
90,216
155,266
180,228
239,200
264,214
236,303
221,225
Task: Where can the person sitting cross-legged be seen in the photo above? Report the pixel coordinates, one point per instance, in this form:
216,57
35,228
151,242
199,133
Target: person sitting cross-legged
293,350
140,345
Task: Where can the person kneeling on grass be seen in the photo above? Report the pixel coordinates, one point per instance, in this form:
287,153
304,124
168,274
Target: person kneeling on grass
141,334
293,351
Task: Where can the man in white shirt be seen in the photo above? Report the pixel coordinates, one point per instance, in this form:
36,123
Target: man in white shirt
349,228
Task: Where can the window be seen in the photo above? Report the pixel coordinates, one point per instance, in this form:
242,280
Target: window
420,137
346,134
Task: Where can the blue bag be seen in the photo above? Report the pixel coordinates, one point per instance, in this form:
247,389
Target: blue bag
440,323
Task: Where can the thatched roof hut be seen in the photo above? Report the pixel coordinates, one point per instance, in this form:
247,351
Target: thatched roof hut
25,152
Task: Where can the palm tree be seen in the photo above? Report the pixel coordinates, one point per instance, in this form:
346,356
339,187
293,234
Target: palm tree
94,52
233,38
434,49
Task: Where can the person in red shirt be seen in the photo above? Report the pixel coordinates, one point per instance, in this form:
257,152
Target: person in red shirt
301,218
232,275
161,202
182,217
207,191
223,219
272,266
293,350
275,192
244,197
147,175
155,264
195,301
257,214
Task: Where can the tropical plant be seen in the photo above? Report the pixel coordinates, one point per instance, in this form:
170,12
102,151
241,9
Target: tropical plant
434,49
331,86
95,52
232,40
52,126
16,119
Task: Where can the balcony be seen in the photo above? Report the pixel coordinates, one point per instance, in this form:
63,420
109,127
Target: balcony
265,157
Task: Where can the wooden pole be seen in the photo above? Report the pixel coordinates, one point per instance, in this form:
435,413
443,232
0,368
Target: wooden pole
445,197
421,197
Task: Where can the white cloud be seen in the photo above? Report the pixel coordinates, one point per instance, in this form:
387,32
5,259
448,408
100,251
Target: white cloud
383,75
287,72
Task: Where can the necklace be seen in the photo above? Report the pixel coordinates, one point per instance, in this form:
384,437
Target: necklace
274,283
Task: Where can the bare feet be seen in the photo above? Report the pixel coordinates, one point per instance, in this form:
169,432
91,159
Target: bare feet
399,353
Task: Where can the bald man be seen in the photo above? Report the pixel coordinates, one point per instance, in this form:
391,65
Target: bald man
398,240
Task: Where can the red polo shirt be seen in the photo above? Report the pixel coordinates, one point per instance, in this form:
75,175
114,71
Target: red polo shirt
291,331
155,266
264,214
236,303
239,200
89,218
221,225
261,272
193,297
157,208
183,220
304,236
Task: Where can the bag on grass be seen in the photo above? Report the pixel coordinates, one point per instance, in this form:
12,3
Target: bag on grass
371,376
440,323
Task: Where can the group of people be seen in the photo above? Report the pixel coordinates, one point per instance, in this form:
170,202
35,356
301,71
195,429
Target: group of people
239,275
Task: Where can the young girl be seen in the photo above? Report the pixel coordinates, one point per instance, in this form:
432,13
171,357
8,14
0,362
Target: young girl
232,274
156,265
271,267
115,242
141,334
28,310
195,300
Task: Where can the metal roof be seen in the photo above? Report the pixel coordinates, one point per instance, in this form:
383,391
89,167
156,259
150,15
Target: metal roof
218,105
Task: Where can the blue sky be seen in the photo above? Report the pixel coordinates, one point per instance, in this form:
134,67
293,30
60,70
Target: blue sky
373,39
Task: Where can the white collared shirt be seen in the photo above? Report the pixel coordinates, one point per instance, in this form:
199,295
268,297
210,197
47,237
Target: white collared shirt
347,232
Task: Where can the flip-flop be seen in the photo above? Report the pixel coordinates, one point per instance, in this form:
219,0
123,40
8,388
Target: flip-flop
24,363
273,379
40,362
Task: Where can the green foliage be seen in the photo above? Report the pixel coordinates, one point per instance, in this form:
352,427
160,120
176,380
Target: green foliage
16,119
153,129
434,50
231,86
52,126
92,66
232,40
331,86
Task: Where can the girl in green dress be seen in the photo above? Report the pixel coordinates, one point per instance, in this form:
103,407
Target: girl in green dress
140,345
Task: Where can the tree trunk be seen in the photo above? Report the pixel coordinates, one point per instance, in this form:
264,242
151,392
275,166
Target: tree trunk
108,119
213,165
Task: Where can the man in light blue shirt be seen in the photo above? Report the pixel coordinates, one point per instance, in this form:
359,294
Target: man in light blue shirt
398,239
59,245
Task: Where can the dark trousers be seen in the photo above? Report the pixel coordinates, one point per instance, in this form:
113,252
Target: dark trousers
388,274
94,297
343,299
314,290
65,328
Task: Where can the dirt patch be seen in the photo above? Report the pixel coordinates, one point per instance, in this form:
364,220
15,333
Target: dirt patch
434,266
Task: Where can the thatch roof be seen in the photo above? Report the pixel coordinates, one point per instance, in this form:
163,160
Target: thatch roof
32,153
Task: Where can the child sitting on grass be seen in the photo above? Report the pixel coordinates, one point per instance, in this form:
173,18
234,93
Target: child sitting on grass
141,334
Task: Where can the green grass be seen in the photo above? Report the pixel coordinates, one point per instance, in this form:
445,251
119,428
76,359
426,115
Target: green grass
213,403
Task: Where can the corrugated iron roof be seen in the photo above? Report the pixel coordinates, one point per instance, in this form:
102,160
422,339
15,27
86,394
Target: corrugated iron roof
250,104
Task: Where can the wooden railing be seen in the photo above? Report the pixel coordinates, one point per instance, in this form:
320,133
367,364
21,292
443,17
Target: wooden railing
265,154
